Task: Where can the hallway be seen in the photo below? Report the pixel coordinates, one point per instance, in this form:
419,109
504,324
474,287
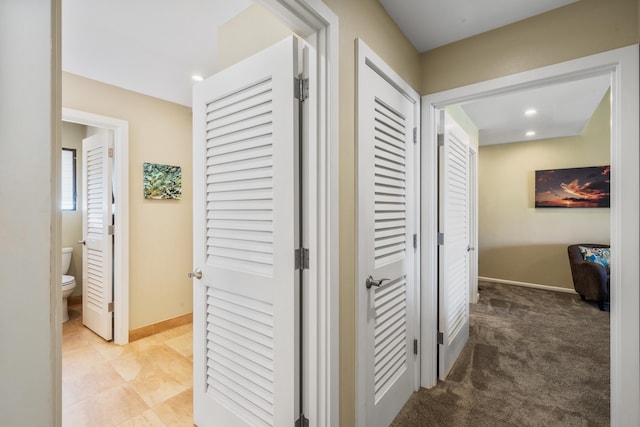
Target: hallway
534,358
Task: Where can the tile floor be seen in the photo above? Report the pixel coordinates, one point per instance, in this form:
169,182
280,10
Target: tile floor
148,382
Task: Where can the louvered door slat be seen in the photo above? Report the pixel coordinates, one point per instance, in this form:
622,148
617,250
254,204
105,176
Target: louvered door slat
259,112
234,141
241,174
237,96
240,100
248,220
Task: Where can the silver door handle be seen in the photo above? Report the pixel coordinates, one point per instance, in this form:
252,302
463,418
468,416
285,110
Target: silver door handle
372,282
470,248
195,274
82,242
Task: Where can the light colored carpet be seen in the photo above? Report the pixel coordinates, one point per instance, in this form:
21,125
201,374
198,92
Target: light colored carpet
534,358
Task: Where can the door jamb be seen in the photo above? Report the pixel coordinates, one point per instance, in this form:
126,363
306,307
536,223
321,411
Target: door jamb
366,57
321,394
622,65
473,235
120,130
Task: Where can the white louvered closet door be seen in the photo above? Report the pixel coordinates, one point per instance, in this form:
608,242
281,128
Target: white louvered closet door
97,256
385,245
245,233
454,256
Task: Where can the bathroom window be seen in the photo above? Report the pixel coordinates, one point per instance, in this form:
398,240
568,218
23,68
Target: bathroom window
69,195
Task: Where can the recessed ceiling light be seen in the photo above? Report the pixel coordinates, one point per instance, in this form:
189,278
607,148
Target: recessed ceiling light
197,78
530,133
530,112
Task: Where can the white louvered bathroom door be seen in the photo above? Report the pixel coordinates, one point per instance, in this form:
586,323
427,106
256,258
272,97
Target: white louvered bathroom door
454,255
97,256
386,225
245,233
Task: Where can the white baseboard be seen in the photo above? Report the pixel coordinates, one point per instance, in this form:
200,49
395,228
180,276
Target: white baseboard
528,285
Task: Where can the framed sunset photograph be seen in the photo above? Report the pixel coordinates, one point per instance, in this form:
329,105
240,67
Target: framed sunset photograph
587,187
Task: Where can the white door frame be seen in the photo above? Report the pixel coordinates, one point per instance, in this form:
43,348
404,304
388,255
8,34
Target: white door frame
473,224
312,19
622,65
368,58
120,130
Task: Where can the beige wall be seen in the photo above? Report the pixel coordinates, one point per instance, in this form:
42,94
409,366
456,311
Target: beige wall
72,136
519,242
576,30
459,116
160,231
30,330
365,19
247,33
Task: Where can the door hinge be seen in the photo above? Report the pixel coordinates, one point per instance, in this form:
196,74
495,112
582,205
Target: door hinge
302,421
441,140
111,230
302,259
415,241
110,307
415,346
440,338
415,135
441,238
111,153
300,89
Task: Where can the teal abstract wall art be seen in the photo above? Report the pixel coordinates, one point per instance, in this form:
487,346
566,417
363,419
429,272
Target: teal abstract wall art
162,181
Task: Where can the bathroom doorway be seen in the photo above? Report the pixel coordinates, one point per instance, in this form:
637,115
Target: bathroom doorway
93,124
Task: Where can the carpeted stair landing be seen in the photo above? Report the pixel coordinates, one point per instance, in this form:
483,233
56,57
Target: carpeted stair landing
534,358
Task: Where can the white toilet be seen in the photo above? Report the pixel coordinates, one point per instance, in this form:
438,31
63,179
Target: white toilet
68,282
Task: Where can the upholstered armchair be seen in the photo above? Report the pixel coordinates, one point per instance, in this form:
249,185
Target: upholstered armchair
590,279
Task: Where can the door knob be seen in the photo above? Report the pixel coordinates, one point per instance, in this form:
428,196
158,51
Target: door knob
372,282
82,242
197,274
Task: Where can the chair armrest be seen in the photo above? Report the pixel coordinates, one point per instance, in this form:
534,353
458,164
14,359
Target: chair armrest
592,280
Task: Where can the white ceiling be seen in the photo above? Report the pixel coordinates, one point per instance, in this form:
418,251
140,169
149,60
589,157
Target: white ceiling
562,110
148,46
155,46
432,23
